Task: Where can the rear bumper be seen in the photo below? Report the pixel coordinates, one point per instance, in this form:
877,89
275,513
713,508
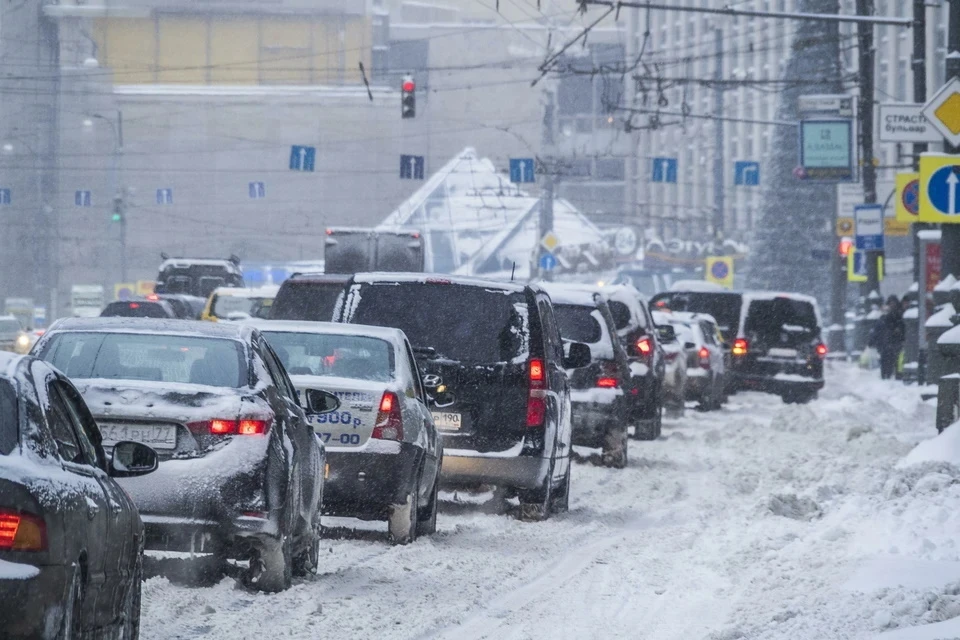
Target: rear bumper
205,535
771,384
33,607
471,468
592,421
697,385
363,485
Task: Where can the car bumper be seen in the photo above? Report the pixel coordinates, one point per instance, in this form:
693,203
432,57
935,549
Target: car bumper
363,485
697,385
33,607
509,469
592,421
775,385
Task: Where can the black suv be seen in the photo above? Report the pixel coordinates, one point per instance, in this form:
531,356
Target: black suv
308,296
778,347
493,362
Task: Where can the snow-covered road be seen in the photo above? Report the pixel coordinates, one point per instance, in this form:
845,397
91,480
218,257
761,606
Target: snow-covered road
760,521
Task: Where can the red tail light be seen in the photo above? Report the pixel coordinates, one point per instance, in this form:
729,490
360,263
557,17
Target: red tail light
134,305
644,346
607,383
821,351
740,347
225,427
389,425
704,354
22,532
537,397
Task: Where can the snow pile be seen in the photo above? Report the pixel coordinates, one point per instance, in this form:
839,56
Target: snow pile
943,448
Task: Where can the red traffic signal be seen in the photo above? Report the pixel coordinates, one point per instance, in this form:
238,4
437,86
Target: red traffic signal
409,86
408,97
846,245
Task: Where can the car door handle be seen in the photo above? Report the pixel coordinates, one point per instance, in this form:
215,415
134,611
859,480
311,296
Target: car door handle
92,511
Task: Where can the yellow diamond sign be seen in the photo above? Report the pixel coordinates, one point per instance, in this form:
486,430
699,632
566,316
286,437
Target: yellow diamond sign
943,111
550,241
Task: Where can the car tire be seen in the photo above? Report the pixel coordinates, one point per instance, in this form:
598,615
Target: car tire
402,520
71,624
615,447
427,517
535,504
308,561
271,568
131,609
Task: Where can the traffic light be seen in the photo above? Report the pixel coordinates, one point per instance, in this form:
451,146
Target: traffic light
119,208
408,97
846,244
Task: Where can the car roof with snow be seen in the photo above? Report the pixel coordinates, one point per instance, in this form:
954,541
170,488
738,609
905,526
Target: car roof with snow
698,286
583,295
236,331
686,317
437,278
329,328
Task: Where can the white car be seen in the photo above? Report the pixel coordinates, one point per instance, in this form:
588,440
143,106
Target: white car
706,369
383,449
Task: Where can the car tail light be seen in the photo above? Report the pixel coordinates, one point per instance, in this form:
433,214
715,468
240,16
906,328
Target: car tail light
227,427
22,532
607,383
609,377
134,305
740,347
644,346
704,354
821,351
389,425
537,396
670,356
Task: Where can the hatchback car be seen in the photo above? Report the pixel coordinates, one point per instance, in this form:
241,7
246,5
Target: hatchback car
383,450
675,361
494,351
71,542
704,356
241,472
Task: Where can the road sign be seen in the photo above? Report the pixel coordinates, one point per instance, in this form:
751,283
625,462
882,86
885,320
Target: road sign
164,196
839,104
548,262
83,198
826,150
257,190
746,173
5,197
550,241
720,271
943,111
939,188
907,197
845,226
411,167
664,170
522,170
124,291
904,122
857,266
869,222
625,241
302,158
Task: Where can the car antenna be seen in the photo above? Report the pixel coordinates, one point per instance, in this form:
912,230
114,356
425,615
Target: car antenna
513,270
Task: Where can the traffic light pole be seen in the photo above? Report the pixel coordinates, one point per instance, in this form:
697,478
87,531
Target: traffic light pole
867,54
950,243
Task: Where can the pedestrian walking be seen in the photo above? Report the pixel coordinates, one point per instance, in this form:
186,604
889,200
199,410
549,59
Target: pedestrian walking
887,337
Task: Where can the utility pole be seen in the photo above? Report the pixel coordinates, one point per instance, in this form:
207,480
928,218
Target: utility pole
549,170
865,116
919,63
718,217
950,242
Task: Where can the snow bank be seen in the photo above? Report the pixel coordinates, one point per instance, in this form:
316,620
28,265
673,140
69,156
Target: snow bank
943,448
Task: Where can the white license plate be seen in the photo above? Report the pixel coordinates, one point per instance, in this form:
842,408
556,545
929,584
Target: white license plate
447,421
157,436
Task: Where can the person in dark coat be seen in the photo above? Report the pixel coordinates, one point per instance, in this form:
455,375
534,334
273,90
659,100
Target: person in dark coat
888,336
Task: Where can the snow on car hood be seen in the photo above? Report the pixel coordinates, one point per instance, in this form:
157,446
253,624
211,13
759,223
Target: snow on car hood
161,401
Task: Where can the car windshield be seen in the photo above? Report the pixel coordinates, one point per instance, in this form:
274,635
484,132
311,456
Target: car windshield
724,307
316,354
578,323
173,358
313,301
464,323
135,310
9,417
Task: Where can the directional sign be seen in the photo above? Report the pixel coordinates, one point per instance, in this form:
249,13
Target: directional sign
257,190
548,262
939,188
664,170
746,173
83,199
164,196
907,197
5,197
905,123
943,111
522,170
302,158
826,150
869,221
411,167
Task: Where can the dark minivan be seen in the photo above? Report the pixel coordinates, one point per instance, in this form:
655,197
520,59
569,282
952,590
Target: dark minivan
308,296
494,364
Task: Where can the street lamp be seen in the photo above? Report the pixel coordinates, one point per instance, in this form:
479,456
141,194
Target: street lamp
116,187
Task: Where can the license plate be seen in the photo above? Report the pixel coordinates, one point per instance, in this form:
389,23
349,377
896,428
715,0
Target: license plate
157,436
447,421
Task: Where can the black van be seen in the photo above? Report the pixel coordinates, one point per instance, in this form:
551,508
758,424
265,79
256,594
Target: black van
492,359
308,296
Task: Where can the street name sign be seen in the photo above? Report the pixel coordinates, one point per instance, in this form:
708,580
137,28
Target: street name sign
904,122
869,224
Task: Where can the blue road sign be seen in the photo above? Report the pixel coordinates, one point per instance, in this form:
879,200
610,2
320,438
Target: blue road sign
83,199
943,190
412,167
665,170
164,196
302,158
860,263
258,191
522,170
548,262
5,197
746,173
869,227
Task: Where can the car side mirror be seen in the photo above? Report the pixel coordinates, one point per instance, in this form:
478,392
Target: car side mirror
132,459
666,333
319,401
689,345
578,355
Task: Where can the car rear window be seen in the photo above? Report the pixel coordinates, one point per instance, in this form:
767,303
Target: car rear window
174,358
778,314
135,310
620,313
312,301
316,354
224,305
464,323
9,418
579,323
724,307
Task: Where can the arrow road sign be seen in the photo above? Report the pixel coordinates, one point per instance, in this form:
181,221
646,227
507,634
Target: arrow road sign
164,196
258,191
664,170
548,262
943,189
869,219
302,158
522,170
83,199
746,173
411,167
5,197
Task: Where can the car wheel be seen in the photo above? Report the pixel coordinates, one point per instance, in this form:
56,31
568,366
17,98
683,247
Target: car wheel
308,561
402,522
71,625
427,518
131,609
561,499
271,568
535,503
615,447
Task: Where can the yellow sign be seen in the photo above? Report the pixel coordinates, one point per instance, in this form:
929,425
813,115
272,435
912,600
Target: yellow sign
720,271
550,241
845,226
124,291
943,111
894,227
939,188
857,266
907,195
145,287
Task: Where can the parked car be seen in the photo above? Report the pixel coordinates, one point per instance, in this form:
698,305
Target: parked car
139,308
12,335
494,350
704,356
639,339
309,296
383,449
241,472
601,409
779,346
675,362
71,541
237,303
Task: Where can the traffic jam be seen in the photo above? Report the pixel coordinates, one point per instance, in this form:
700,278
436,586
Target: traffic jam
227,425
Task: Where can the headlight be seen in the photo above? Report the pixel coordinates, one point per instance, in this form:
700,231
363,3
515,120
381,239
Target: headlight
23,341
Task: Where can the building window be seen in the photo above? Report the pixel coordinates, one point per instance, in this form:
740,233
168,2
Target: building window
902,79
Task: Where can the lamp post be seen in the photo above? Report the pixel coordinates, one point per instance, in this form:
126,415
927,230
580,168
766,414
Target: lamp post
119,204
